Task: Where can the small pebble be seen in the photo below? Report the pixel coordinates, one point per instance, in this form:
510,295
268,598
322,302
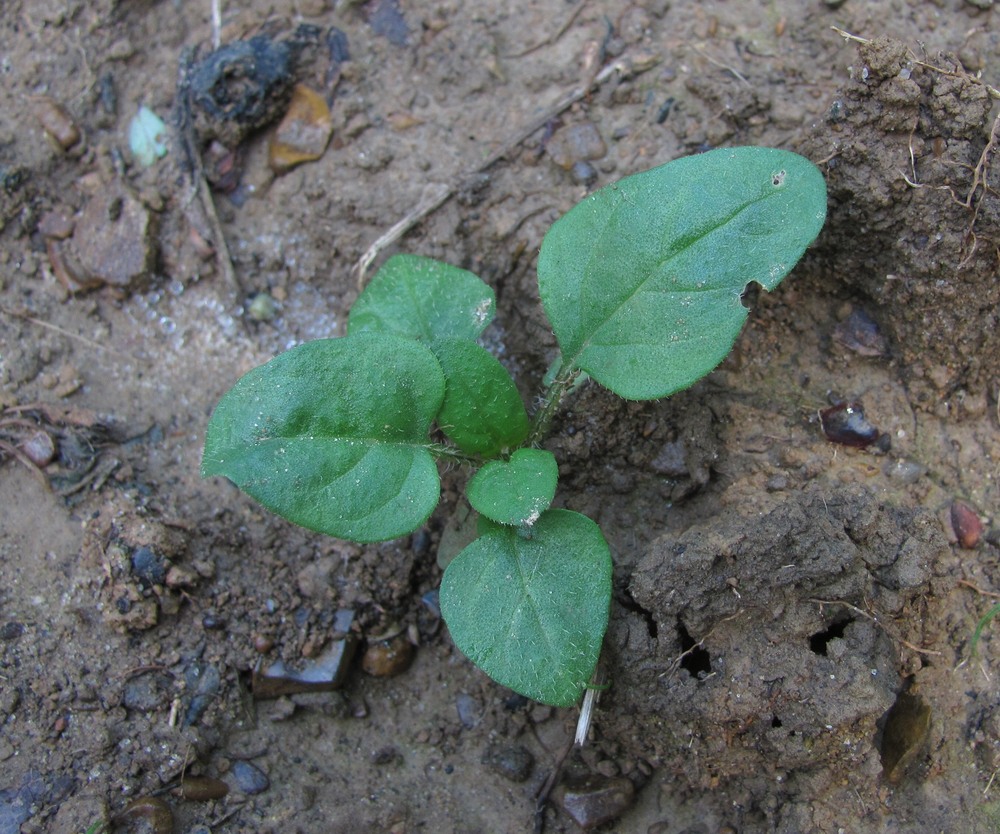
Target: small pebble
386,658
212,622
967,525
512,761
56,122
11,630
576,143
304,131
263,307
387,755
148,566
148,815
469,711
40,448
583,173
846,424
249,778
113,238
146,693
203,788
904,471
860,333
595,800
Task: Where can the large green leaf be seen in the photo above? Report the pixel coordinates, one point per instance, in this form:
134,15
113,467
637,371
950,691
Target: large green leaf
333,435
482,412
425,299
532,612
642,280
516,491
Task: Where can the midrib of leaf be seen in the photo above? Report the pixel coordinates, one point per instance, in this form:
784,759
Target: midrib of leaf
533,609
686,244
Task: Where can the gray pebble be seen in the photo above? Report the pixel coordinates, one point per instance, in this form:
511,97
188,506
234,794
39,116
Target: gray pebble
468,709
145,693
249,778
583,173
512,761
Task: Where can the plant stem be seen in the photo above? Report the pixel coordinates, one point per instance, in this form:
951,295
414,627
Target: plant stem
442,451
554,394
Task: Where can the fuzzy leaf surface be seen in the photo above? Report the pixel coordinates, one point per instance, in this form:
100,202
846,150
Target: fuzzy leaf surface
516,491
424,299
482,412
642,280
532,612
333,435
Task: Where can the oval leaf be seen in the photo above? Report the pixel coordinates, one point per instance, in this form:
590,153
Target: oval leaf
532,612
332,435
482,412
642,280
423,299
517,491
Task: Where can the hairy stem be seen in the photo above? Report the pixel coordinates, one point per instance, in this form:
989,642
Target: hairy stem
552,398
452,454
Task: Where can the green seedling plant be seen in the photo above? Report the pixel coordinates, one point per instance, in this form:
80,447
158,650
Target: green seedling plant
642,284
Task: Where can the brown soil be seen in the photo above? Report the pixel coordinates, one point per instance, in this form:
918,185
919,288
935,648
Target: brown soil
789,648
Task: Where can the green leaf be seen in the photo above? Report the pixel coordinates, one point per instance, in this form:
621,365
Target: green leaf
642,280
424,299
532,612
517,491
332,435
482,412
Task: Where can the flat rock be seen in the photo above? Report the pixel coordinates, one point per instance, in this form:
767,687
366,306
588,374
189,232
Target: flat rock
594,800
113,239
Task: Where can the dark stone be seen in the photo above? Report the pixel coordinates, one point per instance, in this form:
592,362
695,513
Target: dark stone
11,630
148,566
512,761
249,778
594,800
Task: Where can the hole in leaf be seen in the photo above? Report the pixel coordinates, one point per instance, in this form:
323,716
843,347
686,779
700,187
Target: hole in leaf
778,179
696,660
819,641
750,294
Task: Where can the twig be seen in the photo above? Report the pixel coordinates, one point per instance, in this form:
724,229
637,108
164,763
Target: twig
17,314
878,622
542,797
191,163
551,39
977,589
21,457
433,196
675,662
441,193
739,76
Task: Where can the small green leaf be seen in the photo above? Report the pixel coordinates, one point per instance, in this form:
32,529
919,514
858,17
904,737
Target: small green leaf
642,280
333,435
517,491
482,412
424,299
532,612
